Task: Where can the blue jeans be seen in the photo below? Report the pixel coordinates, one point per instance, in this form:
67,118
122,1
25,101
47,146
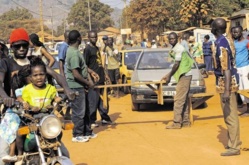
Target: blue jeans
94,103
80,114
4,150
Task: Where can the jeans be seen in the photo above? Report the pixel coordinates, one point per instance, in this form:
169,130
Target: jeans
94,103
4,150
80,114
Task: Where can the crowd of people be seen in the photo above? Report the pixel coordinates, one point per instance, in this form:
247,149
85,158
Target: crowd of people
228,58
26,78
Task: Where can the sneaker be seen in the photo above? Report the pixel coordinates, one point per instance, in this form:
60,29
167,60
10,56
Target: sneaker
8,158
80,139
93,125
92,136
186,124
174,126
105,122
230,152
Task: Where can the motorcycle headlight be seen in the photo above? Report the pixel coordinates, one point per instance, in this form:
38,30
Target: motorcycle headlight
50,127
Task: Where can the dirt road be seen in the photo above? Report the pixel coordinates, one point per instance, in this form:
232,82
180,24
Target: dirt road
140,138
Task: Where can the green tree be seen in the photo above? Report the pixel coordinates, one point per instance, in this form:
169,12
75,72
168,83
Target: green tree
147,16
16,18
193,12
100,16
16,14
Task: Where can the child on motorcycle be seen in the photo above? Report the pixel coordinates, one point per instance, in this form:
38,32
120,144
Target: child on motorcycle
35,96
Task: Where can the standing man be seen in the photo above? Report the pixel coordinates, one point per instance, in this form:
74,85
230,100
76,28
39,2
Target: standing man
113,64
226,86
181,71
93,61
62,56
207,52
78,79
103,51
242,62
184,42
62,53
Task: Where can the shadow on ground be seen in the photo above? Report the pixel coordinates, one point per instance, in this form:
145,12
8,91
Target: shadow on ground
222,136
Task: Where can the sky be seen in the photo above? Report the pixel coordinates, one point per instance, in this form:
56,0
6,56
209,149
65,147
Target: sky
115,3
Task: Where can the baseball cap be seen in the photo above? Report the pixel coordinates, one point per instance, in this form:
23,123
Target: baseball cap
19,34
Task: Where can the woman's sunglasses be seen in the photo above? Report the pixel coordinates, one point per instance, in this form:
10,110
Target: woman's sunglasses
18,46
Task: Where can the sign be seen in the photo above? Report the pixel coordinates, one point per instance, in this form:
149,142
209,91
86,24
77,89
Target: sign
169,93
125,31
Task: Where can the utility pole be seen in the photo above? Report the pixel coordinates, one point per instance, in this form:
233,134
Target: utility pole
89,15
126,23
52,24
41,21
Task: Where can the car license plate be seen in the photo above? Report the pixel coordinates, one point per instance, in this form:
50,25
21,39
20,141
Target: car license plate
169,93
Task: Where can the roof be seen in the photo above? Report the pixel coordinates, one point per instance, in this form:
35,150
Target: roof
112,29
105,33
241,12
181,31
44,33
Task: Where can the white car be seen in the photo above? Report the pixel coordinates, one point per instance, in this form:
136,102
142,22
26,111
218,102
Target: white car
152,65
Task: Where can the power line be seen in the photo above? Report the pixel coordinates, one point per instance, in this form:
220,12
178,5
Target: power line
28,9
49,16
64,3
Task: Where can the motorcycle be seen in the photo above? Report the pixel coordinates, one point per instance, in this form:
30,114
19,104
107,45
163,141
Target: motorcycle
42,133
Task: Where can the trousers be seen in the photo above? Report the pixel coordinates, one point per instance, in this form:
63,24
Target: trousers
94,103
181,100
231,119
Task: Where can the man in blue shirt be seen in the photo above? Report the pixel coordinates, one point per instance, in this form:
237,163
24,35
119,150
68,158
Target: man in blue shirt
226,86
242,62
62,56
62,53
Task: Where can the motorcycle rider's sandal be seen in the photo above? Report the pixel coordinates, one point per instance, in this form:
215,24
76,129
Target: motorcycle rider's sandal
8,158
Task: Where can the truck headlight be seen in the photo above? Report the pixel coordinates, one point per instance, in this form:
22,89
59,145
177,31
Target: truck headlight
50,127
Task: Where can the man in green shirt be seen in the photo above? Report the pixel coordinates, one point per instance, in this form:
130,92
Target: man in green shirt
181,71
78,79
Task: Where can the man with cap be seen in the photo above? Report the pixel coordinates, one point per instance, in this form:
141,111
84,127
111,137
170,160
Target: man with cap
19,41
